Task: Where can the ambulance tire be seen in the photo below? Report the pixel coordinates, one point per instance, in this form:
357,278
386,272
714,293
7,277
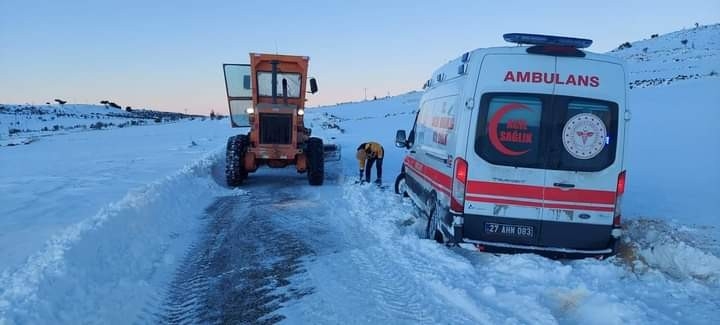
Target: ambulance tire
431,230
316,161
401,185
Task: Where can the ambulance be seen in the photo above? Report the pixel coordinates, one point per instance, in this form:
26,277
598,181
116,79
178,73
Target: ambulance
520,149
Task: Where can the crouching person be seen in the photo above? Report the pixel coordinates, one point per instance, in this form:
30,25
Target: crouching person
369,154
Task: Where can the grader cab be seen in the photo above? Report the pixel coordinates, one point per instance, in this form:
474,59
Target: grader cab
268,96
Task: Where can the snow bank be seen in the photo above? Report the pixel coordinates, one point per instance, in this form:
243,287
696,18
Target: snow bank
461,285
61,180
105,268
682,261
458,285
16,141
682,252
673,153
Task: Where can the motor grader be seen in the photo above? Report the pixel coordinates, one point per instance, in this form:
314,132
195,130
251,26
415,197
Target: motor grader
268,96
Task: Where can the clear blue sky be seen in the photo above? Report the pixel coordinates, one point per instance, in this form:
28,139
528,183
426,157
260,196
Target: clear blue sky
168,54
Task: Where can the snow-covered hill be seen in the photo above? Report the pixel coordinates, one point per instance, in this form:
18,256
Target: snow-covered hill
24,123
677,56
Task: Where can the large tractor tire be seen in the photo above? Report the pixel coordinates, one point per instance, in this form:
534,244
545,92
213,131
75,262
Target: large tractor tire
316,161
235,171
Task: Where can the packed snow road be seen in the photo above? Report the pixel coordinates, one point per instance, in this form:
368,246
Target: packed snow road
278,250
282,251
247,252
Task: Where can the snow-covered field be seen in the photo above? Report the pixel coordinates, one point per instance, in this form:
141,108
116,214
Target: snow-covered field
21,124
95,225
683,55
674,154
83,212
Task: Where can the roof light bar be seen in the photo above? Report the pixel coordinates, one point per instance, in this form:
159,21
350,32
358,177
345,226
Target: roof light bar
537,39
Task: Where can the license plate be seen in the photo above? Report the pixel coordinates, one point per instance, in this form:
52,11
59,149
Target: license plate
509,230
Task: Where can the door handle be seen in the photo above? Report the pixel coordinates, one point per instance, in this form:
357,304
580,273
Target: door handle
564,185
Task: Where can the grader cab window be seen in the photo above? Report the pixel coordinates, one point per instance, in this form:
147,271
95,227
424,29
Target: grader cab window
265,84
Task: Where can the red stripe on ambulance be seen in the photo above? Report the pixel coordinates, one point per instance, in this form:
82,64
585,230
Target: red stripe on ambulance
536,192
515,193
439,181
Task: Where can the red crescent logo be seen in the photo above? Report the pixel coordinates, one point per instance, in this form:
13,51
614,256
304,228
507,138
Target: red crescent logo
493,126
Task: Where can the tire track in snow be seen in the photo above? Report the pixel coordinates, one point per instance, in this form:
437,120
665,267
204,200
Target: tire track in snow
356,277
191,282
450,287
238,273
397,296
403,285
392,289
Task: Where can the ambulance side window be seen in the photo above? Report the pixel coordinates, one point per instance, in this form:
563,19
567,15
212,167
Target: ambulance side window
509,130
411,135
420,129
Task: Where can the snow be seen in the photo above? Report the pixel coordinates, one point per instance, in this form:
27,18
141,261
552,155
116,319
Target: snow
411,281
665,59
58,181
120,200
94,225
22,123
673,154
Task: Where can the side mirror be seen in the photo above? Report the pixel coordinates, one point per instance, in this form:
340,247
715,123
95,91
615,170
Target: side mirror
247,84
313,86
400,139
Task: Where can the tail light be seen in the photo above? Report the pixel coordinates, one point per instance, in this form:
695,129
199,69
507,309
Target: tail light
618,198
457,197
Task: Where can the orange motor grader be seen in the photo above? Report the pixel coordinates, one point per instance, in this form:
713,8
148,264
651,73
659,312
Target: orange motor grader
268,95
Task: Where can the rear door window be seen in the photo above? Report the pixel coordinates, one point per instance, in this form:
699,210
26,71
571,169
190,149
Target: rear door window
545,131
586,136
509,132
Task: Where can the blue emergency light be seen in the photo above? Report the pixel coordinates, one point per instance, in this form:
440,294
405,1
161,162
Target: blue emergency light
547,40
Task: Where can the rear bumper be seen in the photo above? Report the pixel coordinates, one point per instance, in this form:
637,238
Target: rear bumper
551,238
552,252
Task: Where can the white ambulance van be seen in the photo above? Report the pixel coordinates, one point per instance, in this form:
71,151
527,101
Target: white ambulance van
520,149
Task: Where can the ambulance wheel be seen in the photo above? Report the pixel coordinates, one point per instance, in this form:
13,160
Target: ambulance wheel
401,185
316,161
235,171
431,230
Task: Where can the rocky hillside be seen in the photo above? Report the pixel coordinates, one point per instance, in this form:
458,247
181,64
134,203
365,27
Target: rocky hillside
674,57
22,123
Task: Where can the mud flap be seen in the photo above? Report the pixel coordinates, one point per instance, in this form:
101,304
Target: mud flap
331,152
